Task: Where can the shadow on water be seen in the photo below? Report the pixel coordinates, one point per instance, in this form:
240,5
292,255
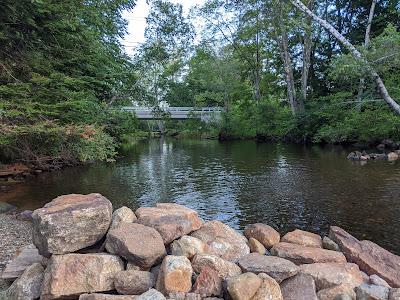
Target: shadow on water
242,182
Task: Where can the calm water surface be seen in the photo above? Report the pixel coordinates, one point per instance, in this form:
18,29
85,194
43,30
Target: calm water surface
286,186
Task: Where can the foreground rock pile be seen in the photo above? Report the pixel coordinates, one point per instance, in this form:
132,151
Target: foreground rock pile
83,250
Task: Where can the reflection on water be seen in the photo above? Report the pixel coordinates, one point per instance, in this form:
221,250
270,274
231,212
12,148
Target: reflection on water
239,183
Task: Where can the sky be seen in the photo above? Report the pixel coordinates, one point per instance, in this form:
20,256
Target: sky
137,21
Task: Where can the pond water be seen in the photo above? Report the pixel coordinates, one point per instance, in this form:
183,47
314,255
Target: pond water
241,182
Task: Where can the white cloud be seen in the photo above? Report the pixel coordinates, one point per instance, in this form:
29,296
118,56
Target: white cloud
137,21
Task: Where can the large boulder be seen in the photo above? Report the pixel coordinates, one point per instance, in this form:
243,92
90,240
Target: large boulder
139,244
134,282
276,267
306,255
224,268
122,214
301,286
269,289
70,223
175,275
371,258
222,240
188,246
244,286
327,275
303,238
29,285
263,233
69,275
25,257
208,283
171,220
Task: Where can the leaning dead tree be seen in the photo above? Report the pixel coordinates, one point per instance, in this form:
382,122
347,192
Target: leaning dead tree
357,55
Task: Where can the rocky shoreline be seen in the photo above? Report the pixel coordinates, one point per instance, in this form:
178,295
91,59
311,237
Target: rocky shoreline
82,249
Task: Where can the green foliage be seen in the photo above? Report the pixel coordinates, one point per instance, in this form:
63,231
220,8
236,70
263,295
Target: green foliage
62,71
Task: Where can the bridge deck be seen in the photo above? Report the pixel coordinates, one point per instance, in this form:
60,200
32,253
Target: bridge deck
178,113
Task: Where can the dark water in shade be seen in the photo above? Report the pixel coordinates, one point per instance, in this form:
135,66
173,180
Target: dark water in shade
286,186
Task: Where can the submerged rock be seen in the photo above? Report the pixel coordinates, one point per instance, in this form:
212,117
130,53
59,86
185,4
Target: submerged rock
265,234
222,240
371,258
171,220
139,244
69,275
70,223
306,255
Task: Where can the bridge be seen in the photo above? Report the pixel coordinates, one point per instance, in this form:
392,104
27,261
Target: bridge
206,114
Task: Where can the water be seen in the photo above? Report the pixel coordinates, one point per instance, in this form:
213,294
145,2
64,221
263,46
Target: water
286,186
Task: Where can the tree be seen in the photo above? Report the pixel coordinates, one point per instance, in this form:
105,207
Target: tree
366,43
379,82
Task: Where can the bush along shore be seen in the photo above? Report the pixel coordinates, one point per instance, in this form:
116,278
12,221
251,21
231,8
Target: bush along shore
83,250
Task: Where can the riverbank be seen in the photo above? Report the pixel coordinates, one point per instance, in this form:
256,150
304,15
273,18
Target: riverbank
182,257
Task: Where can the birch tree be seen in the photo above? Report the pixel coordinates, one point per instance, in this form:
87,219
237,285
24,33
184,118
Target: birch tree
366,43
357,55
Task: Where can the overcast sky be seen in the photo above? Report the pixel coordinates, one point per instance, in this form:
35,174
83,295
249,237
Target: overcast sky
137,21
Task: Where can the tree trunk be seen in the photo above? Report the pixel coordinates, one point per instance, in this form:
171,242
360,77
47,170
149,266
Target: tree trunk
307,47
378,80
295,105
361,86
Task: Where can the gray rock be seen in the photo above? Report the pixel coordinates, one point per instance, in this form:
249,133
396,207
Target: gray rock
134,282
27,256
97,296
328,244
343,297
276,267
151,295
394,294
372,292
301,286
376,280
123,214
29,285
